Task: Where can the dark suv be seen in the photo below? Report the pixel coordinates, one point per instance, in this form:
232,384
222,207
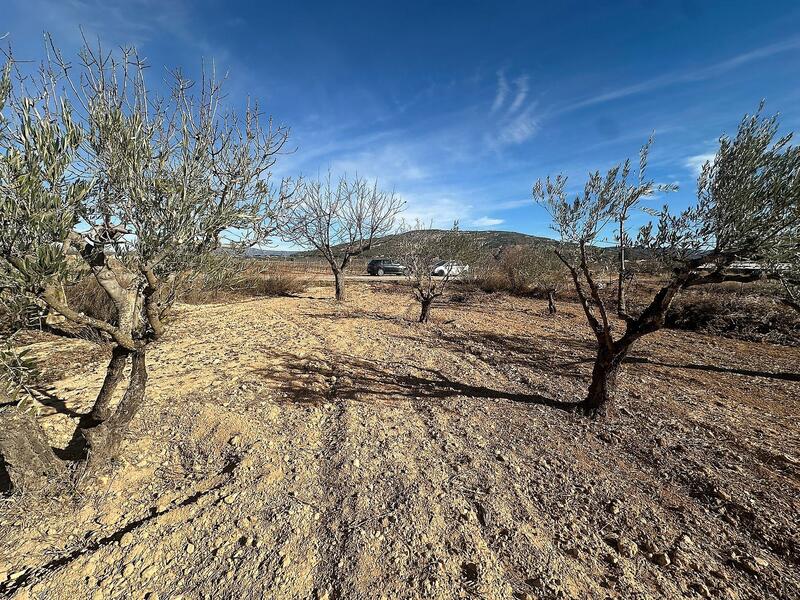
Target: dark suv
385,266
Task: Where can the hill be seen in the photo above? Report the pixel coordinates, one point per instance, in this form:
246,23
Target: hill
391,245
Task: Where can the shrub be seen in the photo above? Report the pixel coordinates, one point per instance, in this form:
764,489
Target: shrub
742,316
228,279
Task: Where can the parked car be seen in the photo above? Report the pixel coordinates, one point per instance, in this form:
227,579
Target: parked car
385,266
449,267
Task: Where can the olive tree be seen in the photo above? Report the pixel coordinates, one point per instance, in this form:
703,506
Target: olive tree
340,220
422,249
100,177
747,203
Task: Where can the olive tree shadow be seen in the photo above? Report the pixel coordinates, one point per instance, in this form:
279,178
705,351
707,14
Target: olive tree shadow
356,379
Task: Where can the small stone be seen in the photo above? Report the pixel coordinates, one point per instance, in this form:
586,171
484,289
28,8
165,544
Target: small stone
661,559
761,562
356,463
627,548
149,572
126,540
749,565
17,574
230,498
189,548
700,589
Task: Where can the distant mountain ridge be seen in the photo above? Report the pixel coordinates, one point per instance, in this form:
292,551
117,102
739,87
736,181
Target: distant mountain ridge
391,245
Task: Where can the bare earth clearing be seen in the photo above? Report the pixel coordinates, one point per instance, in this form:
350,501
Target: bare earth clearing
302,450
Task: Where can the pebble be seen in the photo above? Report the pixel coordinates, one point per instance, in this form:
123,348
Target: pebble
627,548
149,572
661,559
126,540
189,548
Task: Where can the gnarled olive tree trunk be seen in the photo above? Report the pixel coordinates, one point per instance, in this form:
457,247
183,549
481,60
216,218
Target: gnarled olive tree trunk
114,372
103,441
604,380
426,304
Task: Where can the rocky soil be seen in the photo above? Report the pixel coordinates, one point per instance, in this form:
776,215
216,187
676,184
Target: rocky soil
295,449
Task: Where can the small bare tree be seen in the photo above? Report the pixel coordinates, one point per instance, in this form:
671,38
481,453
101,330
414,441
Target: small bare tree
747,203
100,177
423,250
340,220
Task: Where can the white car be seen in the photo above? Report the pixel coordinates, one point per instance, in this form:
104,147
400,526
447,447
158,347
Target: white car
449,267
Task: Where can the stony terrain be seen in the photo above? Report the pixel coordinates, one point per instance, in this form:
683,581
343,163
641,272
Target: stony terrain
296,449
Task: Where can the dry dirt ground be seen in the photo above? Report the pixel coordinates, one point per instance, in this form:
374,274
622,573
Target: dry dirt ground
295,449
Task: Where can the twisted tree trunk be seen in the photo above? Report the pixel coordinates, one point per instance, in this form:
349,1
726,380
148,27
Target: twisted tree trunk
426,309
604,381
551,302
104,440
114,372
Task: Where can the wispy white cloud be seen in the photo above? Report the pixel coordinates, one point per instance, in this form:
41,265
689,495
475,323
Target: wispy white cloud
512,204
502,92
516,129
515,122
695,163
522,94
688,76
487,222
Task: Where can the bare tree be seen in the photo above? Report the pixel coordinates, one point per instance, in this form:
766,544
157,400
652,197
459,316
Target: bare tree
340,220
100,177
747,203
424,250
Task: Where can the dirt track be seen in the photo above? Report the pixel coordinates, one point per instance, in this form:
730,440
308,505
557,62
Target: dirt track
300,449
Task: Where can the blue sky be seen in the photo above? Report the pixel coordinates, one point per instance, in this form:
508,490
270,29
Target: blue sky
460,106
